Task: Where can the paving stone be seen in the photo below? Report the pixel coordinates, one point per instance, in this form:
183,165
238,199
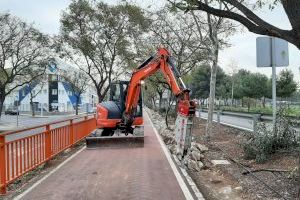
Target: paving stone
220,162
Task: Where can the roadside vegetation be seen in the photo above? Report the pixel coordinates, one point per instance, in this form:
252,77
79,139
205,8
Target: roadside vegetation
264,141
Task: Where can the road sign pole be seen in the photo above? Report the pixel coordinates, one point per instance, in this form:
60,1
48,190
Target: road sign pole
274,95
272,52
273,65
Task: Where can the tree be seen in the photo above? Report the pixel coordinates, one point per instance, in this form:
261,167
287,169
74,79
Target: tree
35,86
239,83
285,84
179,34
200,82
218,30
22,49
254,86
100,39
241,11
150,94
159,87
78,82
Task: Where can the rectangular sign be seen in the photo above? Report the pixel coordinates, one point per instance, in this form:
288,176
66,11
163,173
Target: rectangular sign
271,51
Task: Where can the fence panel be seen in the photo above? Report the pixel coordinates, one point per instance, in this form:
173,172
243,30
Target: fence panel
25,149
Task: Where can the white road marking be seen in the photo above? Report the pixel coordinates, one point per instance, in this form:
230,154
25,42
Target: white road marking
20,196
180,181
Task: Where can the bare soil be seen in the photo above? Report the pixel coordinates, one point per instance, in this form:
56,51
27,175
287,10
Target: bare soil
228,181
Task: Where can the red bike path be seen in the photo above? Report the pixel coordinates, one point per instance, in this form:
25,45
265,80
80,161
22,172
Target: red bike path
114,174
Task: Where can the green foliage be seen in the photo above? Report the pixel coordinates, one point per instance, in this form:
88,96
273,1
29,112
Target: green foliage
285,84
200,82
101,39
251,85
265,141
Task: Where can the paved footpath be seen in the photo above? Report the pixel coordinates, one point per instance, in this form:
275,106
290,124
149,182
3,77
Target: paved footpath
123,173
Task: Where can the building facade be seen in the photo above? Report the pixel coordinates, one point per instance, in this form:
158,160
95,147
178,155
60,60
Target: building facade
52,94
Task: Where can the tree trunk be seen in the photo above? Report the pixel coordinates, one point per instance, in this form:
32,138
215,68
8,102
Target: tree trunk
212,94
76,105
2,99
32,109
167,110
264,102
100,95
160,101
1,105
32,106
248,103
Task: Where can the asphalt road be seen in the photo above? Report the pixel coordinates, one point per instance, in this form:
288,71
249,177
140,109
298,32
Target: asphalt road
245,123
9,122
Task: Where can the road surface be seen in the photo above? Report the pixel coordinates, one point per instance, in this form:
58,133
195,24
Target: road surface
10,122
245,123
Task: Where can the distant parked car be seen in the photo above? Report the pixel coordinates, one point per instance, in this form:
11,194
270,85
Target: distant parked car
11,112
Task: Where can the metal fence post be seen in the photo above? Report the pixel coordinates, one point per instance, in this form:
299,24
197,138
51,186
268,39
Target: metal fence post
48,142
255,121
2,165
218,119
71,132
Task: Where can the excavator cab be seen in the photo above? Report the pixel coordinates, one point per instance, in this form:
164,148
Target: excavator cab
109,113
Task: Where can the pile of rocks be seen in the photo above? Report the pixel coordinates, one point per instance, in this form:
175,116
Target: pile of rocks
193,160
194,157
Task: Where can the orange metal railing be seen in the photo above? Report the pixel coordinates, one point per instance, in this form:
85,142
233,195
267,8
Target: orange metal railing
25,149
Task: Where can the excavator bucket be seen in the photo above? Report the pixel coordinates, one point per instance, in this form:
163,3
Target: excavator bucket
118,140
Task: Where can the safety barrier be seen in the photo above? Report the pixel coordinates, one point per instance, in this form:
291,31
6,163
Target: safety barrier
25,149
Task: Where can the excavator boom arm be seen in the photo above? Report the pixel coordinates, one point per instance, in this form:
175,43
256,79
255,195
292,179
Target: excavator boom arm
163,61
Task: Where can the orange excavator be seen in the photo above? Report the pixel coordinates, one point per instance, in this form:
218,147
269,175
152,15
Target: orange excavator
123,111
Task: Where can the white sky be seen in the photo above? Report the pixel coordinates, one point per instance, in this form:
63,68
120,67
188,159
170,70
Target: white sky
46,14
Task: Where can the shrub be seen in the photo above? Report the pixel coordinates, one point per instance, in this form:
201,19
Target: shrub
264,141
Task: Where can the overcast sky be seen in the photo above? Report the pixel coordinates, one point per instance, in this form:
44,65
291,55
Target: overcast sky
45,15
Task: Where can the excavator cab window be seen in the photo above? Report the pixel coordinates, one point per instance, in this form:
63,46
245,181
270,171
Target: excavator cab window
118,93
115,92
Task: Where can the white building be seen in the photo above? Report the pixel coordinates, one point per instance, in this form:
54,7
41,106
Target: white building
53,94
